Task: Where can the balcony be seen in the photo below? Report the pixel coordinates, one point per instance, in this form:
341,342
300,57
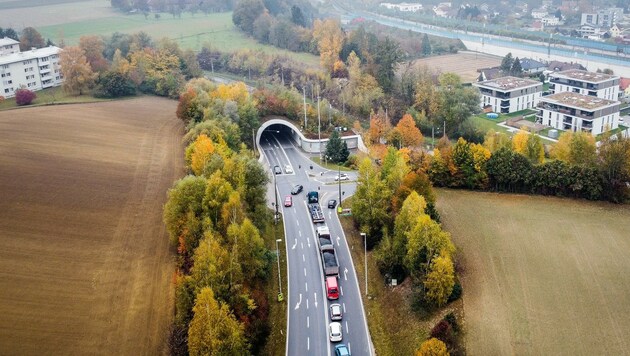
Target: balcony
505,103
567,120
567,127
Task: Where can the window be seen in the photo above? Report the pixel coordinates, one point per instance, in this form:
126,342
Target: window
6,90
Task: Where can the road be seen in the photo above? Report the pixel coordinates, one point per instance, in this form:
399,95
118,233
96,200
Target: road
308,317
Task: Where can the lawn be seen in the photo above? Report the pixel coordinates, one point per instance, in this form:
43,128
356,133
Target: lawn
52,96
542,275
276,341
189,31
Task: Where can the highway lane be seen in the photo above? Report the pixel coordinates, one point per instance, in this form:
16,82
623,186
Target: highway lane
280,150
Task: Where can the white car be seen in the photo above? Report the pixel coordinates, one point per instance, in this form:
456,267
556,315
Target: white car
335,332
335,312
288,169
341,176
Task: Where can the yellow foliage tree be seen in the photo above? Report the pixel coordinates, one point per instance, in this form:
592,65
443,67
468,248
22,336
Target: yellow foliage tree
433,347
201,153
480,155
440,279
494,140
329,39
519,141
411,135
236,92
562,149
77,73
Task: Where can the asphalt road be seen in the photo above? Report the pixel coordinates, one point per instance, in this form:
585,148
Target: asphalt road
308,317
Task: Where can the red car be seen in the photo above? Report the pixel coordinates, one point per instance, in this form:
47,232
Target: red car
288,201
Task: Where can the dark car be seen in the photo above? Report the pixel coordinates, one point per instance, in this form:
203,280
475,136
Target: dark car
297,189
332,203
277,170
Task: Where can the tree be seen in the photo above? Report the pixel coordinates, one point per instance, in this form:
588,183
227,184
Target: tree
213,267
576,148
183,212
245,13
30,38
440,280
519,141
249,251
432,347
9,32
24,97
614,164
493,141
508,170
371,201
516,69
93,47
457,103
262,27
77,73
426,46
410,134
425,242
114,84
507,63
329,39
213,329
337,149
297,17
386,57
203,149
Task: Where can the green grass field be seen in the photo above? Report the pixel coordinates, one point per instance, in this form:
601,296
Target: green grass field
189,31
52,96
541,275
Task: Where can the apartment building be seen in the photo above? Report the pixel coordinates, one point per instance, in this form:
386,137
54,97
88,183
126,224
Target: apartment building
600,85
404,7
509,94
603,18
34,69
577,112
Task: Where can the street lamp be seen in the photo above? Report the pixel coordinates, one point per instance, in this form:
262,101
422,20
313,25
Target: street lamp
364,235
279,277
275,194
339,180
319,127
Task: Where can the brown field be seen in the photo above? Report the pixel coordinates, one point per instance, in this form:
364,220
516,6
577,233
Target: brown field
541,276
464,64
85,264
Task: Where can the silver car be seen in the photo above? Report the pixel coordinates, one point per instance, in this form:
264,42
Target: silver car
335,332
335,312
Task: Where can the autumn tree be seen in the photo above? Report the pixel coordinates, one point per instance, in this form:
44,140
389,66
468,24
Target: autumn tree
440,280
203,148
371,201
329,39
614,164
426,46
535,149
249,251
362,91
77,73
213,329
93,47
213,267
24,97
218,191
425,242
495,140
433,347
30,38
576,148
245,13
410,134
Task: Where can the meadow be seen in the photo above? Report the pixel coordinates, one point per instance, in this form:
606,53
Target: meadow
541,275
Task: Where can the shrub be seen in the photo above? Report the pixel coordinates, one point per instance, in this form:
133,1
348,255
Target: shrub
24,97
452,319
456,293
443,331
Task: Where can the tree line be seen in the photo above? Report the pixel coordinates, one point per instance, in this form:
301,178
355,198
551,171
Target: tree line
214,217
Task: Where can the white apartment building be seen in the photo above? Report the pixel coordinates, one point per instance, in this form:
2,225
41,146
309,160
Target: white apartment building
600,85
603,18
404,7
509,94
35,69
577,112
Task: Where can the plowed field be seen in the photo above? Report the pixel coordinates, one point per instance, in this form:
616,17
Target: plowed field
85,265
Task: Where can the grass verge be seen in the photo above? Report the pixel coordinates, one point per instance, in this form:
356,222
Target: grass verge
52,96
330,166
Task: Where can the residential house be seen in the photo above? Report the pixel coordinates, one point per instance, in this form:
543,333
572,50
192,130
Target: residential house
404,7
489,74
531,66
557,66
551,21
624,87
601,85
509,94
34,69
577,112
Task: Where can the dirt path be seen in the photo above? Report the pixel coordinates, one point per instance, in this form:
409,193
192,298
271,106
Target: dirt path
85,266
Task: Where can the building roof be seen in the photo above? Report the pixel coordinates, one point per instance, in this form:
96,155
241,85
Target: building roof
508,83
624,83
560,66
7,41
32,54
579,101
529,64
586,76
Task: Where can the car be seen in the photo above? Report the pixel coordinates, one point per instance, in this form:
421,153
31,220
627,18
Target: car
288,169
334,331
342,350
341,176
297,189
332,203
277,170
335,312
288,201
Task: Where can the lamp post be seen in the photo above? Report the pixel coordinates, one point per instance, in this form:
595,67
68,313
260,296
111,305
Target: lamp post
275,194
304,92
319,127
279,277
339,180
365,261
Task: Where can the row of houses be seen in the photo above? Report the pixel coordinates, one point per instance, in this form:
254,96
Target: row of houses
578,100
35,69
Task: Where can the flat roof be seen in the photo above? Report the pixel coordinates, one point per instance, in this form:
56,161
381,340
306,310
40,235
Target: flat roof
579,101
508,83
586,76
31,54
7,41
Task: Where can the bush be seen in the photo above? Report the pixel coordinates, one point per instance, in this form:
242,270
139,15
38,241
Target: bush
24,97
443,331
114,85
456,293
452,319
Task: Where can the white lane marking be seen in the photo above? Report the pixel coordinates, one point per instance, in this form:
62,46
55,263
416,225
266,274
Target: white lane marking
303,258
302,244
308,321
304,271
297,222
349,349
300,233
308,343
306,285
338,238
309,242
341,290
297,306
281,148
347,330
306,303
295,244
315,299
329,216
345,273
344,307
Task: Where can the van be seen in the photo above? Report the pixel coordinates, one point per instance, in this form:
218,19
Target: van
332,289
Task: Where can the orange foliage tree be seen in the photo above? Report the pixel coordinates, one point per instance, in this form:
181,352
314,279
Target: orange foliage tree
410,134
